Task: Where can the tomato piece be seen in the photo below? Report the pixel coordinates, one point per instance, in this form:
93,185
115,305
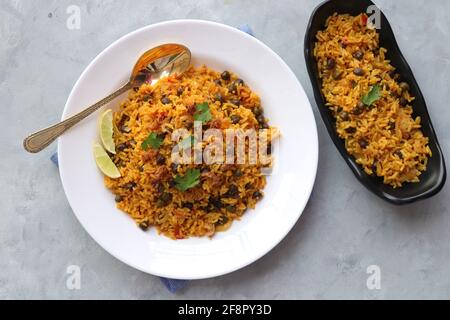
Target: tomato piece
364,19
177,233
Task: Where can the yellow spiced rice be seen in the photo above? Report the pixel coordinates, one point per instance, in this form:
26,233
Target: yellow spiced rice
384,136
147,190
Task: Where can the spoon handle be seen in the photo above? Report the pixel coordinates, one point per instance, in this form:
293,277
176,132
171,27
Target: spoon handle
40,140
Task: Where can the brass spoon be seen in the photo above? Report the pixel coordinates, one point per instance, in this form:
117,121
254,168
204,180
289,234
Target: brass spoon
153,65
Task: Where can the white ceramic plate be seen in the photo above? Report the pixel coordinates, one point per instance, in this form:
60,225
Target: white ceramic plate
222,48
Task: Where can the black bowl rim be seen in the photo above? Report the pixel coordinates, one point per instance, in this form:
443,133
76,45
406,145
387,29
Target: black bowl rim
323,112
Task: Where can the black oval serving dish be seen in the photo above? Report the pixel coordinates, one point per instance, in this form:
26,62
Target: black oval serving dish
433,179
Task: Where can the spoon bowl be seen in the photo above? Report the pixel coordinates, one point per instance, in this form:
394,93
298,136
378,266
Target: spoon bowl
160,62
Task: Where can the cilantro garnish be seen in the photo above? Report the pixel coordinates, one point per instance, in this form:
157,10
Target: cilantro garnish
203,113
373,95
189,180
153,141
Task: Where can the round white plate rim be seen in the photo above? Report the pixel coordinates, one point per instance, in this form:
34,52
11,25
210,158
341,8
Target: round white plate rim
314,142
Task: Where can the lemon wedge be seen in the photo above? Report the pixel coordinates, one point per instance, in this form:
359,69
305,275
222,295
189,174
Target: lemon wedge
104,162
106,130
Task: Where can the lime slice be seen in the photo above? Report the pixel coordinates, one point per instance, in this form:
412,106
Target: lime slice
106,131
105,163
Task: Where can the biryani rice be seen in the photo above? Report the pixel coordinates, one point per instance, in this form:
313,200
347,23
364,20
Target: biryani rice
385,138
163,108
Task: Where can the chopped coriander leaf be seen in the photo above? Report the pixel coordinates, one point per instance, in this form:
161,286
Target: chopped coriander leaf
202,107
153,141
203,113
189,180
373,95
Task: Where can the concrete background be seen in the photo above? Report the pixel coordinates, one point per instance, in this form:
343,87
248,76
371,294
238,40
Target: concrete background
343,230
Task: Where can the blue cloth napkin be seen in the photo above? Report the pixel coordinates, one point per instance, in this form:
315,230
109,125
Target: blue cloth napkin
246,28
172,285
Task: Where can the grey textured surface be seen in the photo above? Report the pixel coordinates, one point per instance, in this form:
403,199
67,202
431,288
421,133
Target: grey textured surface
343,230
